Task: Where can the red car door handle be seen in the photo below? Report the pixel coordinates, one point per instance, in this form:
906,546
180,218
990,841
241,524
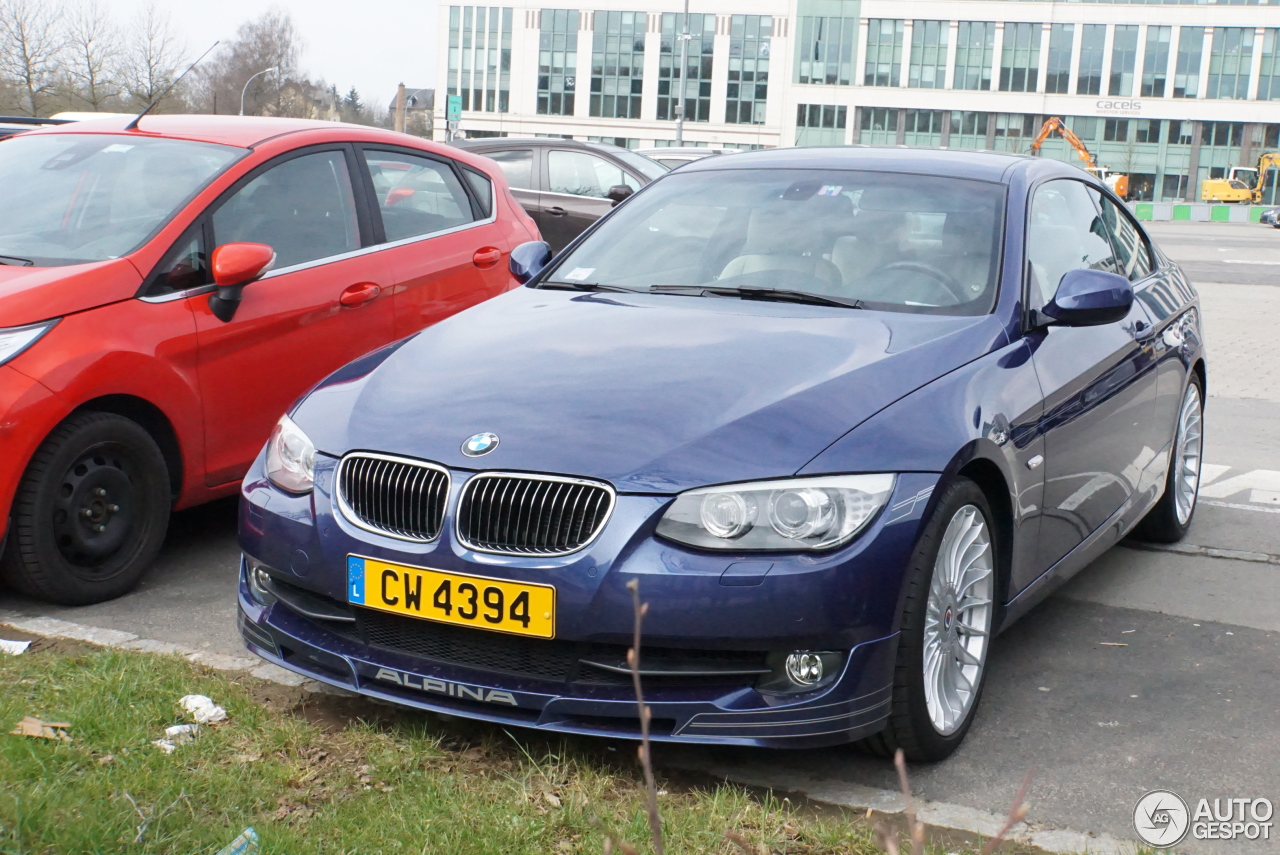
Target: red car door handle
359,294
556,211
486,256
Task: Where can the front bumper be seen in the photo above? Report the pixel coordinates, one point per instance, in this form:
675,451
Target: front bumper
847,601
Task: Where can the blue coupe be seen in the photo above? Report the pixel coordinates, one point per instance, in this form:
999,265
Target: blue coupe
843,414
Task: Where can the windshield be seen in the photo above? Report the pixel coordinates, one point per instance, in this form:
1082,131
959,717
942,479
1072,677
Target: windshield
892,241
74,198
650,169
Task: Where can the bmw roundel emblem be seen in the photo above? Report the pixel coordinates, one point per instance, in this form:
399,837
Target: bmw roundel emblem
481,443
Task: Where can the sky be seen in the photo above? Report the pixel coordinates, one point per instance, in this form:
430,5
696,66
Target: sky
372,45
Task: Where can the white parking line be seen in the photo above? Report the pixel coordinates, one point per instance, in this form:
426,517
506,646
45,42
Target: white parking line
1236,261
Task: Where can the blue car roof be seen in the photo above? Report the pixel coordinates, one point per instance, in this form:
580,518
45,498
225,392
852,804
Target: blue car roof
979,165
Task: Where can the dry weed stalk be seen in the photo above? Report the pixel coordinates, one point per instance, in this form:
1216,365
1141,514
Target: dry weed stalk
646,760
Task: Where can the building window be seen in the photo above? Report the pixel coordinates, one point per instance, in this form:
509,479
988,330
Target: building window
1185,132
1124,59
923,127
884,52
748,69
1269,79
480,57
1155,62
1186,78
968,129
617,64
824,50
557,62
880,119
1229,62
1089,79
697,74
1223,134
1058,75
821,124
1148,130
620,142
1085,127
928,68
1020,58
975,50
1115,130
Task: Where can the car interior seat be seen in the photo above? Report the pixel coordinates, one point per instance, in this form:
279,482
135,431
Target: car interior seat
302,212
785,236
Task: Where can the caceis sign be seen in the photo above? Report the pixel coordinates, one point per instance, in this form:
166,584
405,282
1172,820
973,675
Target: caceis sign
1116,107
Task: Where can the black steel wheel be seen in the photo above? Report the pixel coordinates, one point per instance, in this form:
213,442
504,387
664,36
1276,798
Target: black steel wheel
90,513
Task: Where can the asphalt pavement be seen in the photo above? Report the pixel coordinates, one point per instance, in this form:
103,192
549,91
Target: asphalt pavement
1152,669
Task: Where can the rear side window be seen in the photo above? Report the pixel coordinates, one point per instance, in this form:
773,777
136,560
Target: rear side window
483,189
416,195
1133,256
1065,232
303,208
580,174
517,165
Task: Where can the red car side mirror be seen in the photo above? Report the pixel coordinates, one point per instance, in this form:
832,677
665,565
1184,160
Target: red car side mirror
235,265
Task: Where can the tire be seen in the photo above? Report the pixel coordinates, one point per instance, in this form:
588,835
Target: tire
1170,518
921,727
90,512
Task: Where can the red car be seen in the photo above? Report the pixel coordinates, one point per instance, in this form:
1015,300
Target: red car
139,374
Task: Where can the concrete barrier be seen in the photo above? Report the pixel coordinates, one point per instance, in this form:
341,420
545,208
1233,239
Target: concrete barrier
1197,212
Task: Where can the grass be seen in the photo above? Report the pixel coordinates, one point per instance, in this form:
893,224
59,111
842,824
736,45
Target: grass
312,779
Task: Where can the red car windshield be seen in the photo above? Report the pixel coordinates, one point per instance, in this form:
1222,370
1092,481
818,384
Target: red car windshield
76,198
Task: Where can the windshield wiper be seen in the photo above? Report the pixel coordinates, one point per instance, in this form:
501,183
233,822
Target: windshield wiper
777,294
586,286
15,261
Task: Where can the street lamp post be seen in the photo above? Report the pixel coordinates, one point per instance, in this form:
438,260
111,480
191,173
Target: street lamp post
684,67
246,86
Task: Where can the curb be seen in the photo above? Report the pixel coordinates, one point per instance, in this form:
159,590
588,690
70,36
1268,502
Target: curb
953,817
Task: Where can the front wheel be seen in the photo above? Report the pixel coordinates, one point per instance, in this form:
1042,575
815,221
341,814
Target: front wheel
946,629
1170,518
90,512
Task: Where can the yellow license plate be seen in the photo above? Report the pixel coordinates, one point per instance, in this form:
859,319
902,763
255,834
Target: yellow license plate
514,607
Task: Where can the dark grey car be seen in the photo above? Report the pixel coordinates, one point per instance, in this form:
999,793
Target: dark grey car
566,185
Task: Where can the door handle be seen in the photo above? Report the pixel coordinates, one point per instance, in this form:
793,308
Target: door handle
486,256
359,294
556,211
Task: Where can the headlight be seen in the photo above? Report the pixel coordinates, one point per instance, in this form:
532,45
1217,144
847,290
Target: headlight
14,341
777,516
291,458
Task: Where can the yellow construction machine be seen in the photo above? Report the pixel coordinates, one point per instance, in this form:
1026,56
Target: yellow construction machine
1243,184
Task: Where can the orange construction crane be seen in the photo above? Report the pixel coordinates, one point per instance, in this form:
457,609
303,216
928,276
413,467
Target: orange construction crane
1119,184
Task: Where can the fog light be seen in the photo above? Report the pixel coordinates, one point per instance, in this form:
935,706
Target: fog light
259,583
800,671
804,668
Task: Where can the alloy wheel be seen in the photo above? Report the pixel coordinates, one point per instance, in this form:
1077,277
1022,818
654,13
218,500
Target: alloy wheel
958,618
1186,454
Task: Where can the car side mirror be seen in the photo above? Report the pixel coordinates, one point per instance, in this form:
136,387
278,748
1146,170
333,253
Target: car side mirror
1087,298
619,192
528,259
235,265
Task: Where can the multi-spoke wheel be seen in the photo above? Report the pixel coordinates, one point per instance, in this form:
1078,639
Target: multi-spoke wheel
90,513
947,623
1170,518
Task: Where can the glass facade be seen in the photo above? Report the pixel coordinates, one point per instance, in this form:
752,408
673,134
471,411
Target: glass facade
557,61
697,73
748,69
1229,62
480,57
928,64
1155,62
1020,57
1092,46
1058,74
1124,60
1269,76
821,124
968,129
878,126
975,51
825,49
1186,79
922,127
884,52
617,64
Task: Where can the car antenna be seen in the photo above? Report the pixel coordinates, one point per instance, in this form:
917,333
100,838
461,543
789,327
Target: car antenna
133,126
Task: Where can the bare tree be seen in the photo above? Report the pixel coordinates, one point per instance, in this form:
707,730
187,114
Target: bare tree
92,50
30,51
269,42
153,54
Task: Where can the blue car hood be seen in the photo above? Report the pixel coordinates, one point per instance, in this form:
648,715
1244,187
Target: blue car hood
655,394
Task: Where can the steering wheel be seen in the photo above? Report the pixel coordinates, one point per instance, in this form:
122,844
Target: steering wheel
954,289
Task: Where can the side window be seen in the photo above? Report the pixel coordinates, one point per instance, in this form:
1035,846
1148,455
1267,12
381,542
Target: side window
1133,256
517,165
186,266
483,189
416,195
582,174
1065,232
304,209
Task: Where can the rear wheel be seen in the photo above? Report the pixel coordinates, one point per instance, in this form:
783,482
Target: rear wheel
946,629
1170,519
90,512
